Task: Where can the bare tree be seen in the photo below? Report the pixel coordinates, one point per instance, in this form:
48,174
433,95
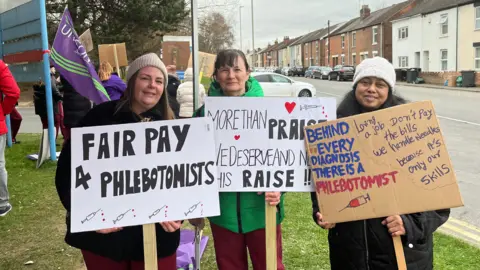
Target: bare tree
215,33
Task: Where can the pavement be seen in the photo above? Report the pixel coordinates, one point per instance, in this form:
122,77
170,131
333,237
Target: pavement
438,87
458,113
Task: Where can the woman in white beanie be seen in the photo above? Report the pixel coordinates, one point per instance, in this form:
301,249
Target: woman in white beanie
185,95
368,244
145,99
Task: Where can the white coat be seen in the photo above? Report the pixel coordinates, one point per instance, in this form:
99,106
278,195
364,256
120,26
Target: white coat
185,95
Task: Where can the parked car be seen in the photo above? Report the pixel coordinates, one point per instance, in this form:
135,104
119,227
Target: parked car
342,73
310,70
277,70
298,71
285,71
276,85
322,73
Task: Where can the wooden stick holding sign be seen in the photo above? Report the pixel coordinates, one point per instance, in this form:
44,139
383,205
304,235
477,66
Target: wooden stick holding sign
150,247
379,164
397,243
271,236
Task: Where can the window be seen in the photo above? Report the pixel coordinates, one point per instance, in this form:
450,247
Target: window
374,35
477,18
280,79
374,54
354,60
477,57
263,78
403,33
354,39
444,24
343,59
444,59
403,61
343,41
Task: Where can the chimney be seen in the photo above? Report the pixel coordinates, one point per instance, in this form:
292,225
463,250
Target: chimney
365,11
286,38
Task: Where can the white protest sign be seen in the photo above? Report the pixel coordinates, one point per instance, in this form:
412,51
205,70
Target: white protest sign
260,141
143,173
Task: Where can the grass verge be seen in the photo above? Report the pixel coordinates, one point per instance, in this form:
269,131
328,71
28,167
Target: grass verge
35,228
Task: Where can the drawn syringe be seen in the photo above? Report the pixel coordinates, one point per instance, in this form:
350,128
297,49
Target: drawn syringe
156,212
91,216
306,107
192,208
356,202
121,216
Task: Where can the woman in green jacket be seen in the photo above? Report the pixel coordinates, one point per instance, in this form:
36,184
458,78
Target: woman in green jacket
241,224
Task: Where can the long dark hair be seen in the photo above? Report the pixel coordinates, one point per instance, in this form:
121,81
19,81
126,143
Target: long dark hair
229,58
349,106
162,106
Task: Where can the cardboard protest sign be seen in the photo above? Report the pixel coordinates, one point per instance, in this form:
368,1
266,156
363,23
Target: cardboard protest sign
388,162
206,62
143,173
106,53
86,39
259,141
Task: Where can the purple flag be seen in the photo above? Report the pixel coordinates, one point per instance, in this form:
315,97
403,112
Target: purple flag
71,60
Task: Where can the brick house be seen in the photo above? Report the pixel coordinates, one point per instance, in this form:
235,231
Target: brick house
366,36
314,48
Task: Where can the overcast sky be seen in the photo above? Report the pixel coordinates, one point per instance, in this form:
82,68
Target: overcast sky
278,18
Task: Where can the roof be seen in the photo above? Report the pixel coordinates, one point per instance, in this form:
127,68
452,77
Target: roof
286,43
431,6
304,37
376,17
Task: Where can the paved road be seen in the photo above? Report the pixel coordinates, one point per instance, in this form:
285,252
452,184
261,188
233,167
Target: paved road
460,122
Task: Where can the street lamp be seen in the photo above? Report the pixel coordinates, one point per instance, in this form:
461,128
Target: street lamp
241,45
253,39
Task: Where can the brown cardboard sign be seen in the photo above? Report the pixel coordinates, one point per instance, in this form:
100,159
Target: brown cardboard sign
86,39
206,62
106,53
389,162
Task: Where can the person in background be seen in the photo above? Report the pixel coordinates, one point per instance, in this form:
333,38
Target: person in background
173,83
114,85
40,103
75,107
368,244
241,225
122,248
11,93
15,123
185,95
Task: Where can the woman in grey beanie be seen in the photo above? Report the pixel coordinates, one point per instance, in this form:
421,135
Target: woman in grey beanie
368,244
145,99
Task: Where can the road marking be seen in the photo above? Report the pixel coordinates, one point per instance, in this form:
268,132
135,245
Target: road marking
462,232
439,116
464,224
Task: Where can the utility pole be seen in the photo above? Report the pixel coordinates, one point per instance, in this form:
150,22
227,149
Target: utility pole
328,40
253,39
241,45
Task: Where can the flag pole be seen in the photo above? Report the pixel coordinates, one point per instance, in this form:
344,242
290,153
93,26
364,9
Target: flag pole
48,82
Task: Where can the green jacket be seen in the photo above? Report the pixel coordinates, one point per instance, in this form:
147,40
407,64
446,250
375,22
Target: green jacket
241,212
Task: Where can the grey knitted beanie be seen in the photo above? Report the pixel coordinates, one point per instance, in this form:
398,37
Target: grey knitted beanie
148,60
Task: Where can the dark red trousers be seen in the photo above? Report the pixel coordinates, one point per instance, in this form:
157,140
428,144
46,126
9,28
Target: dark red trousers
96,262
231,249
56,121
15,122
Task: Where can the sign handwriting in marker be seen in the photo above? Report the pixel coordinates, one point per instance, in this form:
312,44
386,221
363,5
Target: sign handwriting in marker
192,208
91,216
156,212
307,107
121,216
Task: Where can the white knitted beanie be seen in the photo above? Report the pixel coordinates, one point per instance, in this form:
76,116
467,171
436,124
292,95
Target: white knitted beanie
148,60
376,67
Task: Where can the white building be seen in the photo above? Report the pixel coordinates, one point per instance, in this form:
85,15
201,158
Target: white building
426,38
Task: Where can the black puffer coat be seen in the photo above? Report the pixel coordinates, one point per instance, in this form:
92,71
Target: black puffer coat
75,106
40,99
367,244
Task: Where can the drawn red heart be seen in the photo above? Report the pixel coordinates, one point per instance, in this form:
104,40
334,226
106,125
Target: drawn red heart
290,106
237,137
